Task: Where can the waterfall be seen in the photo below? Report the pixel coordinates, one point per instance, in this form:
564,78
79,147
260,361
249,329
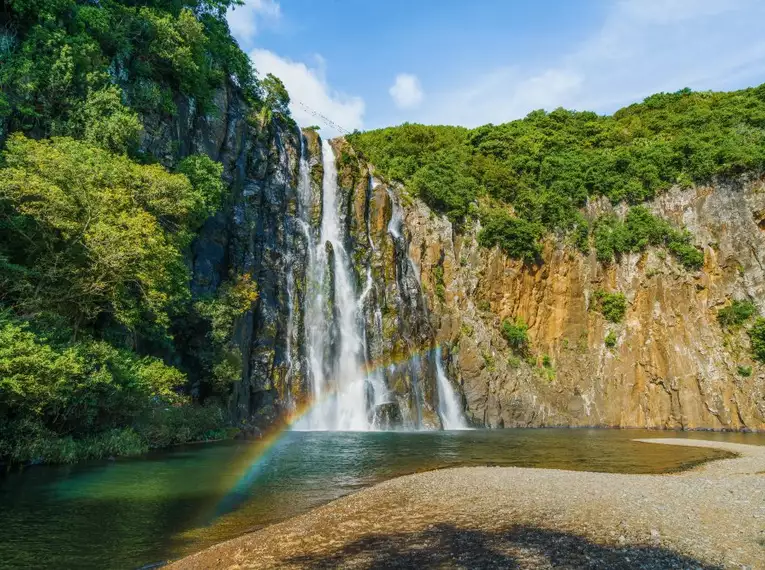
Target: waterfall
342,313
449,409
336,347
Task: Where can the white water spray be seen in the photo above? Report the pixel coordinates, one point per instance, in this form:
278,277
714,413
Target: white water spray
449,409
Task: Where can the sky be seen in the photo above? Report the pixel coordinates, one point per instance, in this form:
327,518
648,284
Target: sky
366,64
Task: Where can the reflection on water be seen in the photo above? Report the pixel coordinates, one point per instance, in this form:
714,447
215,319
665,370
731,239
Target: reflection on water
128,513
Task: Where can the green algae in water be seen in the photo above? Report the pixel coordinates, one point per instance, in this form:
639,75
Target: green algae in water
131,513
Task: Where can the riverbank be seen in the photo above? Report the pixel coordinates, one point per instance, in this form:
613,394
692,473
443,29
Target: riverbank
711,516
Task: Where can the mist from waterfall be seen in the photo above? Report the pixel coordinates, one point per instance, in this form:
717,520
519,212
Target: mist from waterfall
449,409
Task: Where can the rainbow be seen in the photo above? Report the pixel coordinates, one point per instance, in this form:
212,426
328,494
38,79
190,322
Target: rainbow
275,435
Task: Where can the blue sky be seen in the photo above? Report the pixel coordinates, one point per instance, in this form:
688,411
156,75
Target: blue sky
373,63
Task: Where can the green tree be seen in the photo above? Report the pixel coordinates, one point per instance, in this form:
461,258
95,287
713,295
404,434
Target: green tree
276,96
517,237
757,337
736,314
91,233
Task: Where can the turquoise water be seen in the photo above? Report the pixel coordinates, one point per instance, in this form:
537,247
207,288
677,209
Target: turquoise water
135,512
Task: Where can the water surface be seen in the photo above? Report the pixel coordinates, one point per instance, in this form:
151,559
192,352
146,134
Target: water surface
135,512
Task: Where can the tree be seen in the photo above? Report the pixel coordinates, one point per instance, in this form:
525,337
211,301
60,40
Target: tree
94,233
276,97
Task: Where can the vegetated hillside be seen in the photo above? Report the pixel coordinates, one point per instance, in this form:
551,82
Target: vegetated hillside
535,175
95,225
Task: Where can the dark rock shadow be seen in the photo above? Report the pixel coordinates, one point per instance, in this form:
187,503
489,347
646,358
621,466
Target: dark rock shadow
518,547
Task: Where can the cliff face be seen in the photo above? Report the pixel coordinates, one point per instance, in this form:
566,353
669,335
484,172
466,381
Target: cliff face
672,366
252,234
420,284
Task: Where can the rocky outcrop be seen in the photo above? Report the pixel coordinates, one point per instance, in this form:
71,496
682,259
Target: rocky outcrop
672,365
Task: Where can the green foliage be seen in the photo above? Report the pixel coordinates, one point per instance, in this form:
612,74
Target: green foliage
744,371
440,287
234,299
68,52
108,123
546,361
757,337
736,314
75,389
29,442
489,360
87,233
444,185
515,236
171,425
610,340
640,228
546,165
83,385
611,305
516,335
276,97
62,402
92,243
204,174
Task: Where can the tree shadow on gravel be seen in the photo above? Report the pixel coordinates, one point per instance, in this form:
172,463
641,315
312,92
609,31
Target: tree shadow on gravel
519,547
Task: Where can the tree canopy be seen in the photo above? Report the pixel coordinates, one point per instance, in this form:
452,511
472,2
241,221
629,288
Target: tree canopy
541,170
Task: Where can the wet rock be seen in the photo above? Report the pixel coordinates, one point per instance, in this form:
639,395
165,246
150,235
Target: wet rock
388,416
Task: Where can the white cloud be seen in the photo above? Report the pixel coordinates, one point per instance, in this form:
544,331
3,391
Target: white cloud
246,20
642,47
406,91
309,89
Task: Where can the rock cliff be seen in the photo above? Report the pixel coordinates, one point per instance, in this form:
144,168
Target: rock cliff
672,365
423,284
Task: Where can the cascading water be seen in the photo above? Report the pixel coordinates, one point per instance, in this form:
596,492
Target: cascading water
346,395
449,409
336,350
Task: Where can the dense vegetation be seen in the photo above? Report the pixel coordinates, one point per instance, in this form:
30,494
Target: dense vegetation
94,234
56,55
534,175
639,229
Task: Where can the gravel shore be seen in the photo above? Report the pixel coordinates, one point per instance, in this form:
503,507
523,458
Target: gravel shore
506,517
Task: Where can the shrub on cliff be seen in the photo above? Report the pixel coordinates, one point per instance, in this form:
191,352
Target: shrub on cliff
611,305
640,229
736,314
516,237
516,334
757,337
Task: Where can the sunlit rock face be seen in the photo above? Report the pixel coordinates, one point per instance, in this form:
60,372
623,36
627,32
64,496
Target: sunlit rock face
672,366
419,290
